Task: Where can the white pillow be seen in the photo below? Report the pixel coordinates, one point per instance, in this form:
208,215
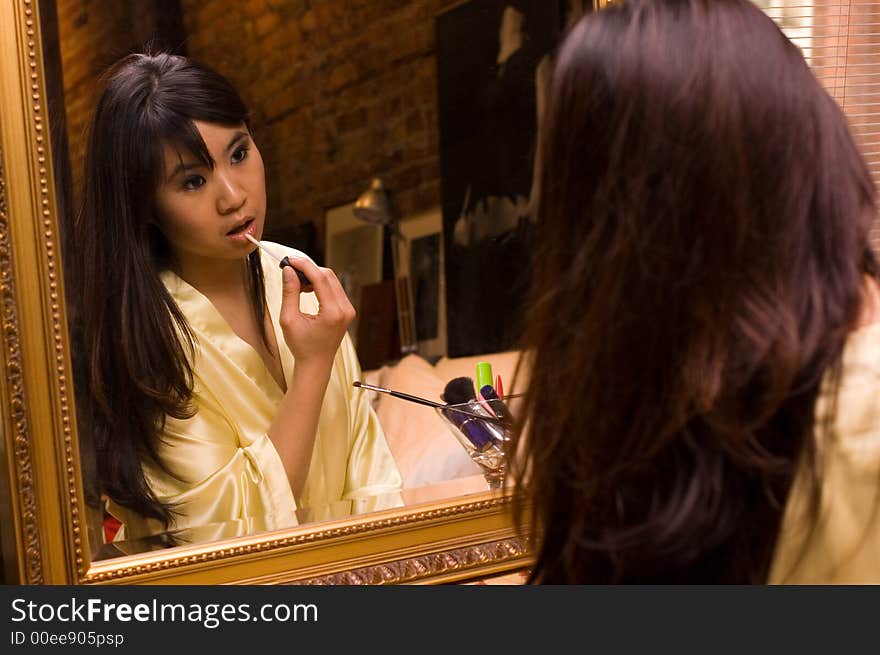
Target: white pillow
423,446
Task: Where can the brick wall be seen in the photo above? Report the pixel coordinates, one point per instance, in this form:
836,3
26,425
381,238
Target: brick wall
93,34
341,90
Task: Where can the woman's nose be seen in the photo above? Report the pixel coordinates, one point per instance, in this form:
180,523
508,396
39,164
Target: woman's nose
230,194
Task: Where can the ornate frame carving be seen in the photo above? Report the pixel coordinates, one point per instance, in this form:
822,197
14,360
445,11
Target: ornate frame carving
41,497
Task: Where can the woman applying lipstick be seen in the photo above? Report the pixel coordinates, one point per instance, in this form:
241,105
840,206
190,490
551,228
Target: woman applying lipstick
219,390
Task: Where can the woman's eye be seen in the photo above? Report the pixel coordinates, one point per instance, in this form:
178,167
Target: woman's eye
193,182
239,155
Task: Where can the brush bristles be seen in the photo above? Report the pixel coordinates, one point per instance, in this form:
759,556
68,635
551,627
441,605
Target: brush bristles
459,390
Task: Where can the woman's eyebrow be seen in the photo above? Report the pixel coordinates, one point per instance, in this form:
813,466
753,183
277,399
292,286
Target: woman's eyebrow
183,167
238,136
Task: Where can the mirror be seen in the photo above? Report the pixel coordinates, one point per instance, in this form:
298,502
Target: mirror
323,143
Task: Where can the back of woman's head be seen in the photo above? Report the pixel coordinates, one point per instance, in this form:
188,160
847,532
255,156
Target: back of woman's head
132,356
703,218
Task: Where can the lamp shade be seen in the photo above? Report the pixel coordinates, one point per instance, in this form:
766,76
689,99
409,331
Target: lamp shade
373,205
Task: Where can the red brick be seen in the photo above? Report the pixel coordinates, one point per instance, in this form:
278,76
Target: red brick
308,22
352,120
341,75
266,23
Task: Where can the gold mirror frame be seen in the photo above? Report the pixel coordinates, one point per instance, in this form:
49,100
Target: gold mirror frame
43,510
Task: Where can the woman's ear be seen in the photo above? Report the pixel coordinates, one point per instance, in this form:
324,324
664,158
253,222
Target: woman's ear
152,230
151,216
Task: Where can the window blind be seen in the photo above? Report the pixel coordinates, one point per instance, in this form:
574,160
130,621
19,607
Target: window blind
841,41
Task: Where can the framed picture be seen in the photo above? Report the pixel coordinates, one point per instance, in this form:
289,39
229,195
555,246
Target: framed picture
423,262
354,251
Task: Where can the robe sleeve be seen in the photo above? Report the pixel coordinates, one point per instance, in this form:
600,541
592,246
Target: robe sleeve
352,469
372,470
842,544
215,478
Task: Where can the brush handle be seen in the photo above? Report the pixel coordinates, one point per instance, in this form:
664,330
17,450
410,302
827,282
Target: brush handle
428,403
399,394
501,410
479,431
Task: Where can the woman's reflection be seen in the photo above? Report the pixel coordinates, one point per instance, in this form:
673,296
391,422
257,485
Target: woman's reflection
218,389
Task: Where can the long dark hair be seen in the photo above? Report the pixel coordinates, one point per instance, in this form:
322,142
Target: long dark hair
703,221
136,344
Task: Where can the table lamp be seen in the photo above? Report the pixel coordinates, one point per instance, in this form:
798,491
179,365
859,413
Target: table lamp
374,206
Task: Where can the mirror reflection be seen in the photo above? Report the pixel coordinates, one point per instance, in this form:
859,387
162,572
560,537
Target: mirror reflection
214,392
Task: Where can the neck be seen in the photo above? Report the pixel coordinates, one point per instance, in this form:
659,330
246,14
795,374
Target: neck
212,276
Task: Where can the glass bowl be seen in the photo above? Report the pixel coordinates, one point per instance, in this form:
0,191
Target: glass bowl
484,428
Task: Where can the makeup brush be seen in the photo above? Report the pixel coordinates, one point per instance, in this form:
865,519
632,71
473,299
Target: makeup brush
481,429
460,391
498,407
282,262
398,394
413,399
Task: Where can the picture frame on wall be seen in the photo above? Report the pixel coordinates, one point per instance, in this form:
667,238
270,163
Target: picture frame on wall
353,249
422,261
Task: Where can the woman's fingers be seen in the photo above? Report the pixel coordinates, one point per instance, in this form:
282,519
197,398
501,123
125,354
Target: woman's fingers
332,299
290,288
306,266
342,298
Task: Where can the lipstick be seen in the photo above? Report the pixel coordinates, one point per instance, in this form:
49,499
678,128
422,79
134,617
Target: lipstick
282,262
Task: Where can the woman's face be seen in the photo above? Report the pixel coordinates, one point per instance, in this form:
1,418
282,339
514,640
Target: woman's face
205,213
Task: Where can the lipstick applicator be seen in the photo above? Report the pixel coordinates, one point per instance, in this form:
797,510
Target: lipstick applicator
282,262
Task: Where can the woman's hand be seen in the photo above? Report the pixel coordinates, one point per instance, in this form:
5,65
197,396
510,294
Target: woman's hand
314,337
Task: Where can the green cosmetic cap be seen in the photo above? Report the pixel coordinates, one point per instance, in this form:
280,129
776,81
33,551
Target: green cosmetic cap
484,375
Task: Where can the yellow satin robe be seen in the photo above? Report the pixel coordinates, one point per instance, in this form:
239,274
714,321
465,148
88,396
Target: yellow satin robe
224,476
843,546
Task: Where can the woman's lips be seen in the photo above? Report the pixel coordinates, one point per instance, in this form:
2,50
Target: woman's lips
237,235
242,229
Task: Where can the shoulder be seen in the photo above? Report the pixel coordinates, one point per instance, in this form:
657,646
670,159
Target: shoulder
851,402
